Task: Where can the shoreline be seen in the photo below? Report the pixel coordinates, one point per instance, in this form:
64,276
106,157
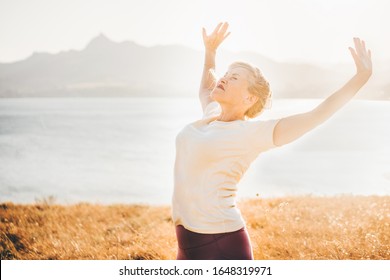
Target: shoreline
52,201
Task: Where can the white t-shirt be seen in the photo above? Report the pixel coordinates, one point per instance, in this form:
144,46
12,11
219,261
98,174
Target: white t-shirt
211,158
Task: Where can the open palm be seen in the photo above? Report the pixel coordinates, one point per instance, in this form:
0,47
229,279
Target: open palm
212,41
361,56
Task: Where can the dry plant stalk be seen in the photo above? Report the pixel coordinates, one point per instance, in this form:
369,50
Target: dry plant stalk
299,228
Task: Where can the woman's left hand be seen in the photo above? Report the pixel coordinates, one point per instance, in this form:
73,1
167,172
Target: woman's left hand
362,57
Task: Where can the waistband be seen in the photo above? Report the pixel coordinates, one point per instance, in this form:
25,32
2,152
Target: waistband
188,239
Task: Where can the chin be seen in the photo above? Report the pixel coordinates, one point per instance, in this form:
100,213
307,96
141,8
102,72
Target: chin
215,96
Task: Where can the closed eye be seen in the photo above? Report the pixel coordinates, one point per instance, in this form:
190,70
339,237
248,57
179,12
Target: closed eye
232,77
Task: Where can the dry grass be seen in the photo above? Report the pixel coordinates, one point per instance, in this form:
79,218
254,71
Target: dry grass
344,227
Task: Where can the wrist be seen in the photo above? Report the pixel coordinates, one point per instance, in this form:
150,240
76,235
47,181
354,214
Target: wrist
364,75
211,51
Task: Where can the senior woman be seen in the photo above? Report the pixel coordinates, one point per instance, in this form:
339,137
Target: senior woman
213,153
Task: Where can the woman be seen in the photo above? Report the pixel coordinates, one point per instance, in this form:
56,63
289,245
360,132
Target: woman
212,154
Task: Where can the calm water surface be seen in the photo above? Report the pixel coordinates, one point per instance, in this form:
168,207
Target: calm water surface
121,150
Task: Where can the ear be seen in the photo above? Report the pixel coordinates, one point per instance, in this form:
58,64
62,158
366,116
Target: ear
251,99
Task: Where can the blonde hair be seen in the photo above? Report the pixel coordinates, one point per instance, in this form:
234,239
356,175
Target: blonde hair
258,86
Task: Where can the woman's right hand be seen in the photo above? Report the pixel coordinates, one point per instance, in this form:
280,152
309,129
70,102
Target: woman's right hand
212,41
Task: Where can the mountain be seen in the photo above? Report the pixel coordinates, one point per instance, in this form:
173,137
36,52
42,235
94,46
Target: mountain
107,68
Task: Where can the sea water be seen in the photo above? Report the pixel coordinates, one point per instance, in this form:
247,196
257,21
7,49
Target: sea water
122,150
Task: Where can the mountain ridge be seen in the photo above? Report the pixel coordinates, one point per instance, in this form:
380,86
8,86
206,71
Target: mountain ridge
107,68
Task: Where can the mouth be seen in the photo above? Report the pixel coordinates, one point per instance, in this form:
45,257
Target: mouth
221,87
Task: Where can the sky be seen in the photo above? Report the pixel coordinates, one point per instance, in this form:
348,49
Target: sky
312,31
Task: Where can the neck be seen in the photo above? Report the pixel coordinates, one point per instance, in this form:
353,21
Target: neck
228,115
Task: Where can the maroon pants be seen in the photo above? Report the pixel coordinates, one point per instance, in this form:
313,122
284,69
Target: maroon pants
221,246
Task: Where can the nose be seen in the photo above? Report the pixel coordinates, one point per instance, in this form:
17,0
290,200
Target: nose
223,80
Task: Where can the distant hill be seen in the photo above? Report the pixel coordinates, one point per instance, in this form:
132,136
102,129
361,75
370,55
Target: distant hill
107,68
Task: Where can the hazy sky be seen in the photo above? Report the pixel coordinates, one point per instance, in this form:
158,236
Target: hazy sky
296,30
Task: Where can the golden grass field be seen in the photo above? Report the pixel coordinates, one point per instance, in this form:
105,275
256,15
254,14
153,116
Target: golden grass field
342,227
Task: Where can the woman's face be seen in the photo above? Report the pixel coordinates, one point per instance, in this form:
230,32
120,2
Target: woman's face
232,88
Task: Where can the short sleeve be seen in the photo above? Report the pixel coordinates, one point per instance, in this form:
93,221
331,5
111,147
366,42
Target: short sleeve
262,136
212,109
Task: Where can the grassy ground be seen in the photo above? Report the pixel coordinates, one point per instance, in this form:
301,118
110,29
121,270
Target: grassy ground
343,227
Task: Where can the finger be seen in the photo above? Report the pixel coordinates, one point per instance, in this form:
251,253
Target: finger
369,62
224,37
204,34
222,33
224,28
356,44
227,34
217,28
364,46
353,52
354,55
358,47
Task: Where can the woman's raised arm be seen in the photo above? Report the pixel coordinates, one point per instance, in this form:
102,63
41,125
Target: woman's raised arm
211,43
290,128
